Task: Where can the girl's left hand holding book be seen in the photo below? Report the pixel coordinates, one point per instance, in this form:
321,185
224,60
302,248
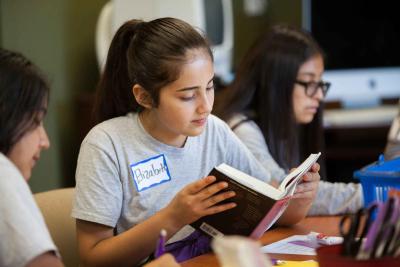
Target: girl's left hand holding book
308,187
303,197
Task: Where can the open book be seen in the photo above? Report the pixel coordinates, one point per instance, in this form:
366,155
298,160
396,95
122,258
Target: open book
259,204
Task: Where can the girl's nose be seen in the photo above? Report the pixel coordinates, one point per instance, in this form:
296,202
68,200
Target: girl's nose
205,105
319,95
44,139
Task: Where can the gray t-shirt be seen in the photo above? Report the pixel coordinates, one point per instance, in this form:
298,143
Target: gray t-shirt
23,232
108,193
331,199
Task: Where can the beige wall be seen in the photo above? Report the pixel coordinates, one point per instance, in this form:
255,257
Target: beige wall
58,36
248,28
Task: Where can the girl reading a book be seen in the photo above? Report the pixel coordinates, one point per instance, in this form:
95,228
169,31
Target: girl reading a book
145,166
274,107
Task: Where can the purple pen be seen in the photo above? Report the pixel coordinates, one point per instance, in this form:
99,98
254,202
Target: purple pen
276,262
160,249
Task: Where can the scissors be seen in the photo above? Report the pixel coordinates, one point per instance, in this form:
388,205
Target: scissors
373,232
386,234
351,241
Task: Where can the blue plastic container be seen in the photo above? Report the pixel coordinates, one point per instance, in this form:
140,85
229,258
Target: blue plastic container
378,178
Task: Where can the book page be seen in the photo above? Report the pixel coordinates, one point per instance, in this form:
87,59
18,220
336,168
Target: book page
289,184
249,181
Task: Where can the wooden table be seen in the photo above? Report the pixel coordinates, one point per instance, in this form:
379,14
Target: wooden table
326,225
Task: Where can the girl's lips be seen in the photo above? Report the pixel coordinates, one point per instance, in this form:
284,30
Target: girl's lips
35,159
313,109
200,121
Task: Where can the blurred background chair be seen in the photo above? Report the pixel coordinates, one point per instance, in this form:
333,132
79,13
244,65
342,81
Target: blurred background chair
56,206
104,33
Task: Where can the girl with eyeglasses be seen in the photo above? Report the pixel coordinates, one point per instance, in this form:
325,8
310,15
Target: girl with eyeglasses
274,107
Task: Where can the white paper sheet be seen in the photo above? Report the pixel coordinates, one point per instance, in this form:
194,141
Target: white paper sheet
299,244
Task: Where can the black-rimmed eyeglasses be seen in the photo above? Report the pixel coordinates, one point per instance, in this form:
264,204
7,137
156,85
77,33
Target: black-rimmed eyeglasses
311,88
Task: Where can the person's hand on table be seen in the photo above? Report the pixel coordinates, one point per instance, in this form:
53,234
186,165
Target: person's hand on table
166,260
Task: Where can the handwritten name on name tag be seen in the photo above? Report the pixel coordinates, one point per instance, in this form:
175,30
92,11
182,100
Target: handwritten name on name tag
150,172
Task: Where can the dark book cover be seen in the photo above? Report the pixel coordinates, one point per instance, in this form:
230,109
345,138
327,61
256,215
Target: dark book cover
253,215
259,204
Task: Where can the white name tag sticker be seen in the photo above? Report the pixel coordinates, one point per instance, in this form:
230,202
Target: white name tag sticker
150,172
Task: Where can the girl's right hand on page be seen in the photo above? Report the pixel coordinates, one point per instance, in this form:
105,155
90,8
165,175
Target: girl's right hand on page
199,199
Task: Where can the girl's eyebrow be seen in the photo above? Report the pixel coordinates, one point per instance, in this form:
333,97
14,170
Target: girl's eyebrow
193,87
187,88
308,74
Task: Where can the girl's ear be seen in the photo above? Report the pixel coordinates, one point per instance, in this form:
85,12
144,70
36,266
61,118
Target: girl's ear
142,96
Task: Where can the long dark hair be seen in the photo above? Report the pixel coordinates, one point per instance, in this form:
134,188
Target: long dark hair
146,53
24,94
264,84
